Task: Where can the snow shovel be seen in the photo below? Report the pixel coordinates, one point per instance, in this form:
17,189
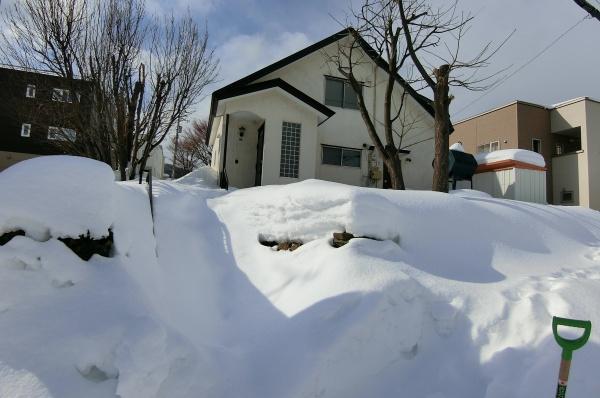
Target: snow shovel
568,346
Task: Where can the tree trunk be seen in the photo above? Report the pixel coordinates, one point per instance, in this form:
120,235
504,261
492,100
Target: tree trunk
394,166
441,105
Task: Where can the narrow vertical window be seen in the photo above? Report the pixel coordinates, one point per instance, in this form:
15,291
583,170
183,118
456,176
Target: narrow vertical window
290,150
536,145
25,130
30,92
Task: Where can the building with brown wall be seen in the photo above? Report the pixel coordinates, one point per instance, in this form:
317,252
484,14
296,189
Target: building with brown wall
566,134
35,111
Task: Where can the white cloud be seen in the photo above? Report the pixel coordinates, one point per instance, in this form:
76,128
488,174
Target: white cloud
178,7
243,54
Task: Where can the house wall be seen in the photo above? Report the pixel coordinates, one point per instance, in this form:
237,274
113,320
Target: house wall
534,122
592,109
564,117
274,108
497,125
40,111
566,176
347,129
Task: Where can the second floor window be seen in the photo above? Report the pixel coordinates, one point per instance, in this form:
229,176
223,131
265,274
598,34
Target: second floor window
30,92
61,95
339,92
488,147
25,130
61,134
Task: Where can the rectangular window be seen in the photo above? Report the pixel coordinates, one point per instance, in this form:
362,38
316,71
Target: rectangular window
483,148
494,146
290,150
536,145
338,156
61,134
339,92
25,130
61,95
30,92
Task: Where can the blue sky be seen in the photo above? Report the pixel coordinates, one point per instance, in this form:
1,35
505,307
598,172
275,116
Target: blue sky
249,34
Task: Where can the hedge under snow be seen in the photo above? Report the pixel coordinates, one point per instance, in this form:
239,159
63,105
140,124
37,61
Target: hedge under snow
455,301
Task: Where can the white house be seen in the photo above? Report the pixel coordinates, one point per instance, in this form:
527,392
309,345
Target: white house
298,119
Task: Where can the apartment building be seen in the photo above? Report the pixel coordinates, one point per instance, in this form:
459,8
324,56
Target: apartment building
35,109
567,135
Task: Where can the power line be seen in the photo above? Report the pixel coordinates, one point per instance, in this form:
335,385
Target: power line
536,56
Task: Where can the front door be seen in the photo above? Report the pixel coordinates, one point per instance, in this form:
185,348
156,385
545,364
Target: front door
259,155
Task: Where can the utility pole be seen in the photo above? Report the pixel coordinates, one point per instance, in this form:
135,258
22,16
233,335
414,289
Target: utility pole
175,149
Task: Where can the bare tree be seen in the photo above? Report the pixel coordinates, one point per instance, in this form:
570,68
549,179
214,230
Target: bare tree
436,34
589,8
372,33
139,73
408,37
192,150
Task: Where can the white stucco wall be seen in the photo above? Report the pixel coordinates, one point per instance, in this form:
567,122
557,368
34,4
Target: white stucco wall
274,107
347,129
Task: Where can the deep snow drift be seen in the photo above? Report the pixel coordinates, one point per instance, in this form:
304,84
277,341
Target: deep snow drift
454,299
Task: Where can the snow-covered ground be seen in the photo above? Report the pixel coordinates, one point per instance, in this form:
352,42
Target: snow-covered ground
455,299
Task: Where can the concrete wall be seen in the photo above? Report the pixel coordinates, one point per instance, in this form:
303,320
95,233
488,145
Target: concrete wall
7,159
347,129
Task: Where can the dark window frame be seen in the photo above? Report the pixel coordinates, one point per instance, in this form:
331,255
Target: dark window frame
342,150
343,103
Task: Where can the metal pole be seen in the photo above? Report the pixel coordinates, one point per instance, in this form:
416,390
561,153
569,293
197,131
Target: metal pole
175,149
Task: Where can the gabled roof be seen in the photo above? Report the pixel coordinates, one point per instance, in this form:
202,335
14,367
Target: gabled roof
234,91
425,102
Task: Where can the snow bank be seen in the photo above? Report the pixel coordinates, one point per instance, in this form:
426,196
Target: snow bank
72,328
520,155
203,176
59,196
453,300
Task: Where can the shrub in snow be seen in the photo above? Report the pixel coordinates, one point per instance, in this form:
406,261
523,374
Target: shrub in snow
57,196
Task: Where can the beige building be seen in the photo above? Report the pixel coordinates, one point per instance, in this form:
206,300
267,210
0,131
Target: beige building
566,134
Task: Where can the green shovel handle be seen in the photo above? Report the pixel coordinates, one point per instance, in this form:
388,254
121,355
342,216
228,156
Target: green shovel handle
570,345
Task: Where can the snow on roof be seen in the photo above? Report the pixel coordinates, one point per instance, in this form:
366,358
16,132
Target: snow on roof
520,155
457,147
58,196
